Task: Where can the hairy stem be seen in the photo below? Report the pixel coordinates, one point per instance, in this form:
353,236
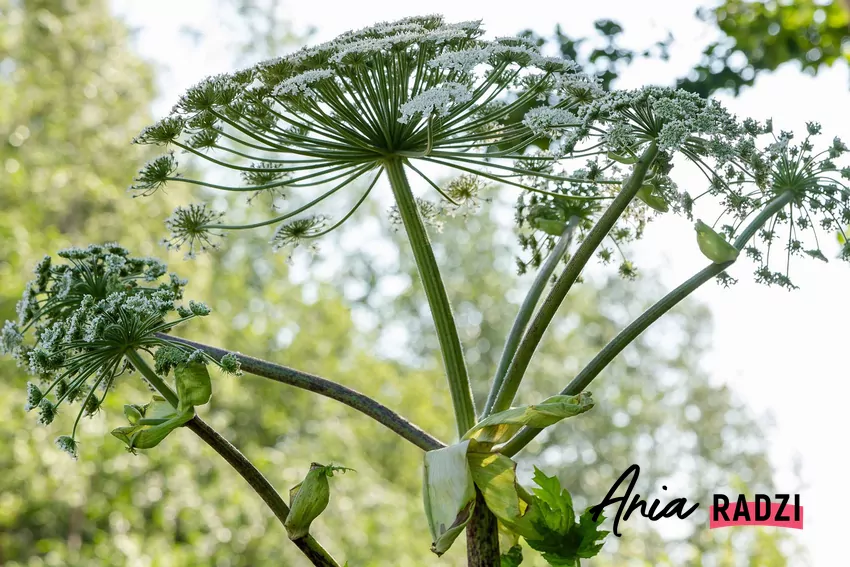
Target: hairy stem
327,388
438,300
482,536
562,286
308,545
526,310
648,317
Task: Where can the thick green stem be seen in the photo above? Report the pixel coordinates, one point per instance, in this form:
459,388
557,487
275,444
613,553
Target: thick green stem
152,377
327,388
438,300
562,286
526,310
308,545
648,317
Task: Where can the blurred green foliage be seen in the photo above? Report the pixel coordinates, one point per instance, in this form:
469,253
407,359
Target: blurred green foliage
753,37
760,36
72,95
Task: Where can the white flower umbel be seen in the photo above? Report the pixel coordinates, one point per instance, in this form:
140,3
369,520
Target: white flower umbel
314,122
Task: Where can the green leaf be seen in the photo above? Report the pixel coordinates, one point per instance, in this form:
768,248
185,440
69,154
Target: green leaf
563,540
592,538
194,387
158,408
149,436
449,494
714,246
495,476
499,427
512,558
554,505
645,194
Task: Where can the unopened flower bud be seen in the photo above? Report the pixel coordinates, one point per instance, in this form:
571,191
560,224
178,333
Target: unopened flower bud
309,499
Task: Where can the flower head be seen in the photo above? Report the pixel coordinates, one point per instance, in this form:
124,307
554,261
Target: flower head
192,227
294,233
328,116
156,173
78,318
794,193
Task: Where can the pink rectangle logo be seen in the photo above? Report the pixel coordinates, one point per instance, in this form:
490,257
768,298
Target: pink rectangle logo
780,512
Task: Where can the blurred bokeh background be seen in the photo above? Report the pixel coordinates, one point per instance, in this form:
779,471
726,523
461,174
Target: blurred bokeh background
739,390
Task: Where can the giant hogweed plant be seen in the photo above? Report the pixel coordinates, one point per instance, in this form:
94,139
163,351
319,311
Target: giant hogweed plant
398,101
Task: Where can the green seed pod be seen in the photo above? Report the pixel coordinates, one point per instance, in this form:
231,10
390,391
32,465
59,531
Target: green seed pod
625,160
714,246
194,387
307,500
653,201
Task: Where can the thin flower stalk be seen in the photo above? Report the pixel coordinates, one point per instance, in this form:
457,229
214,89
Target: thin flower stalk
558,293
527,308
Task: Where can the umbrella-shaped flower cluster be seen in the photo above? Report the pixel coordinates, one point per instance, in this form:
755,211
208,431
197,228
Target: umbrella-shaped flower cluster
310,125
78,319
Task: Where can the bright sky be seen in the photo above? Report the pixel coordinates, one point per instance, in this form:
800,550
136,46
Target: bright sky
781,351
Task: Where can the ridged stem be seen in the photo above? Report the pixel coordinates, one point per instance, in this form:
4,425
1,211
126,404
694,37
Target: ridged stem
435,292
526,310
568,277
352,398
648,317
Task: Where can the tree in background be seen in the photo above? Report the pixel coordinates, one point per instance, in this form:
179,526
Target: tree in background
754,38
171,526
